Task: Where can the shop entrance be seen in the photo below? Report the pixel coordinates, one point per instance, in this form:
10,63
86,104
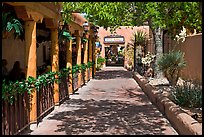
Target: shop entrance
114,56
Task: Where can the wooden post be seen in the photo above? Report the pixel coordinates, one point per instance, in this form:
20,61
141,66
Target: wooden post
69,64
86,58
90,54
94,58
78,45
55,61
30,62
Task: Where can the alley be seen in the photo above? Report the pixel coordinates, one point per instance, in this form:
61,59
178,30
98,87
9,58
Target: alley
110,104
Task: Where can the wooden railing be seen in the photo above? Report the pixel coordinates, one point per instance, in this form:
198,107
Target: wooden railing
75,81
83,78
15,117
63,89
45,100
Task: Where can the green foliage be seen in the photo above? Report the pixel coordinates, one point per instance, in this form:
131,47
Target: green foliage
170,64
9,23
64,34
83,67
10,89
168,15
187,95
84,40
75,69
100,62
90,64
129,54
139,38
148,59
172,60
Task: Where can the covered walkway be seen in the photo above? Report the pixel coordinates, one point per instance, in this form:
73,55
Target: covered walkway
110,104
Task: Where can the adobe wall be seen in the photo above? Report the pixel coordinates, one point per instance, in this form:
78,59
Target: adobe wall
14,50
192,47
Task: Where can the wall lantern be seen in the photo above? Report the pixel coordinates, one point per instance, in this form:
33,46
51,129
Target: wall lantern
86,26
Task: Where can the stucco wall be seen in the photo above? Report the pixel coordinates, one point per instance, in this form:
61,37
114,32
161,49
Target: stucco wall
192,47
14,50
125,31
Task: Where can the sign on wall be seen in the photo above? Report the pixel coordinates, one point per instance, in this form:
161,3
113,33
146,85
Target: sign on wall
114,39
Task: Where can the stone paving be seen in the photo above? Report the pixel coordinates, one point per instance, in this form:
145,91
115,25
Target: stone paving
110,104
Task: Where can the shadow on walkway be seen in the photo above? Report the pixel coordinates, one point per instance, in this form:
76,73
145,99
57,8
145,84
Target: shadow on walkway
112,74
109,117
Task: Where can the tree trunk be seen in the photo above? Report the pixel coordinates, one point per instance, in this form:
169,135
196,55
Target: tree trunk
158,51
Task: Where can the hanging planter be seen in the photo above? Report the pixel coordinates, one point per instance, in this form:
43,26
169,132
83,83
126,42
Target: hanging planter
64,35
84,40
10,25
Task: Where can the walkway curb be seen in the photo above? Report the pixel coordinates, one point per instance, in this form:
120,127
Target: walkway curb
183,123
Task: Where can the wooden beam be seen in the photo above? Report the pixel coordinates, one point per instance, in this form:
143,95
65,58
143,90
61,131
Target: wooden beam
21,12
27,14
74,26
39,8
51,23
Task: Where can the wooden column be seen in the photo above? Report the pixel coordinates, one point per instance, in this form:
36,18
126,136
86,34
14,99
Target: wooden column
30,62
86,57
69,64
90,54
78,45
55,61
94,58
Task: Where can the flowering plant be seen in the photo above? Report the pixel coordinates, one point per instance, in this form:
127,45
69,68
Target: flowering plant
148,59
181,35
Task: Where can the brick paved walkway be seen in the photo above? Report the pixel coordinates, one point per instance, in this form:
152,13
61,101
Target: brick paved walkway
110,104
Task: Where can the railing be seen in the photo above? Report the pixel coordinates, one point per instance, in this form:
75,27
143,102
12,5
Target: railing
75,81
45,100
15,117
83,78
88,74
63,89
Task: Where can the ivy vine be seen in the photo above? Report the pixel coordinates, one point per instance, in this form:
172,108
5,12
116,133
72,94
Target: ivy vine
11,89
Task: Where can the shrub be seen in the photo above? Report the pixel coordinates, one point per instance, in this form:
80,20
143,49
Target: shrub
100,62
171,64
187,95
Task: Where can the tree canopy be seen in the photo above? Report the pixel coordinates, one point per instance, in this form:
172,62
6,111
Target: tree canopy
168,15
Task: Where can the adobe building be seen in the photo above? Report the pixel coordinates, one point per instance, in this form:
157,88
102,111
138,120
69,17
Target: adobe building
118,41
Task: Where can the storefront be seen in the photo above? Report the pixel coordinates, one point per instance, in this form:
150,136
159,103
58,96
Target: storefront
114,45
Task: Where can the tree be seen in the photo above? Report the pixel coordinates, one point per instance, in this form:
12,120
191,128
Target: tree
159,15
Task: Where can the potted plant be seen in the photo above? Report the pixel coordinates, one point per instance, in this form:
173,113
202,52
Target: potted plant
171,64
10,25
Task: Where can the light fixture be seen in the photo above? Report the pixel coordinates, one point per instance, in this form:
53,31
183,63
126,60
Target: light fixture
86,26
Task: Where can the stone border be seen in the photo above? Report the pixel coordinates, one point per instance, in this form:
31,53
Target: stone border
183,123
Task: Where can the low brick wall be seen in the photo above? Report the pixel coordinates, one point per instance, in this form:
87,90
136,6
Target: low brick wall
183,123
